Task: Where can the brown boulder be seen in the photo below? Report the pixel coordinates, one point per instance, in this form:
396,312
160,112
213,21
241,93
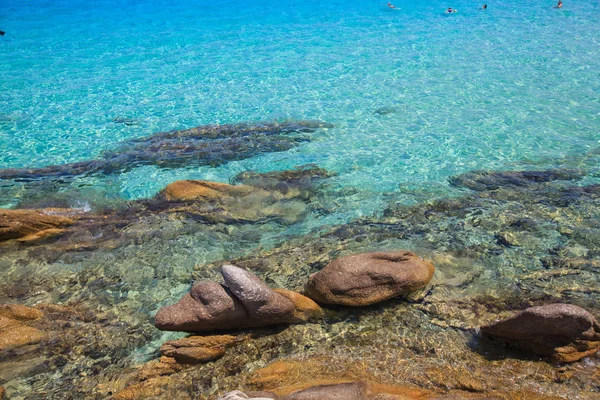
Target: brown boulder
363,279
565,332
30,225
244,302
2,390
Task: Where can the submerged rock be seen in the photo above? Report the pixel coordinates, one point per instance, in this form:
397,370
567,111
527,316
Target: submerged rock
363,279
31,225
299,182
204,190
14,332
491,180
244,302
563,331
229,203
206,145
197,349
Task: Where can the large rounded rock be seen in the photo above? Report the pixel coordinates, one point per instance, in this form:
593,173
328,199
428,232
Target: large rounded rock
368,278
563,331
244,302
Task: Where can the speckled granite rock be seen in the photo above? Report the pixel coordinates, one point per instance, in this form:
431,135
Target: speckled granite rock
563,331
363,279
244,302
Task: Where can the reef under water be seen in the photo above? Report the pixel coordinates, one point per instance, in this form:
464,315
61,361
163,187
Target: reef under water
94,280
204,145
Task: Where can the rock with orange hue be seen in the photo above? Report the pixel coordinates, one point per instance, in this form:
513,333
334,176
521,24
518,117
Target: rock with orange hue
31,225
305,309
291,378
244,302
228,203
368,278
197,349
148,388
20,312
15,333
565,332
2,390
187,190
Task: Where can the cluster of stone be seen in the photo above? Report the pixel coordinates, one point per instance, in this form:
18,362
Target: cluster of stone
243,302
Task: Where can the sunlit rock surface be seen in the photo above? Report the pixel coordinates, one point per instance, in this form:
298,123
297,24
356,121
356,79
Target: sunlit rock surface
563,331
245,301
364,279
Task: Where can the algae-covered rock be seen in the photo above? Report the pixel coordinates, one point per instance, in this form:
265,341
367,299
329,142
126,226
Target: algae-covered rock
563,331
245,302
491,180
363,279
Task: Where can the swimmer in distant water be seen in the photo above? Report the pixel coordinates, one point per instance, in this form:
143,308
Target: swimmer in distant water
2,33
559,5
484,7
451,10
390,5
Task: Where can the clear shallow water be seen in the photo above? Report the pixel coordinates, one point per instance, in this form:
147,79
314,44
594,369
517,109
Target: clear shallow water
477,89
513,87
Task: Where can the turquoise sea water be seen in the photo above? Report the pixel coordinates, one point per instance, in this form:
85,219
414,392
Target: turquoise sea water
506,88
415,96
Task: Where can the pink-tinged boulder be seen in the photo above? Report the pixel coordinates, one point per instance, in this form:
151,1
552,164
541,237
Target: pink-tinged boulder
368,278
564,332
245,301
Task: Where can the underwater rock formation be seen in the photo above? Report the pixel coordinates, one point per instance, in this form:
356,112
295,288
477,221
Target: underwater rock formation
245,301
14,331
490,180
230,203
205,145
298,182
278,200
197,349
565,332
363,279
30,225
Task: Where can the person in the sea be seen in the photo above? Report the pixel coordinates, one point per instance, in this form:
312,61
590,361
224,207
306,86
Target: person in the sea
484,7
390,5
559,5
450,10
2,33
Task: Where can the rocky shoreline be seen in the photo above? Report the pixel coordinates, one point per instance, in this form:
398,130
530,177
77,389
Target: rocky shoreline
517,249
